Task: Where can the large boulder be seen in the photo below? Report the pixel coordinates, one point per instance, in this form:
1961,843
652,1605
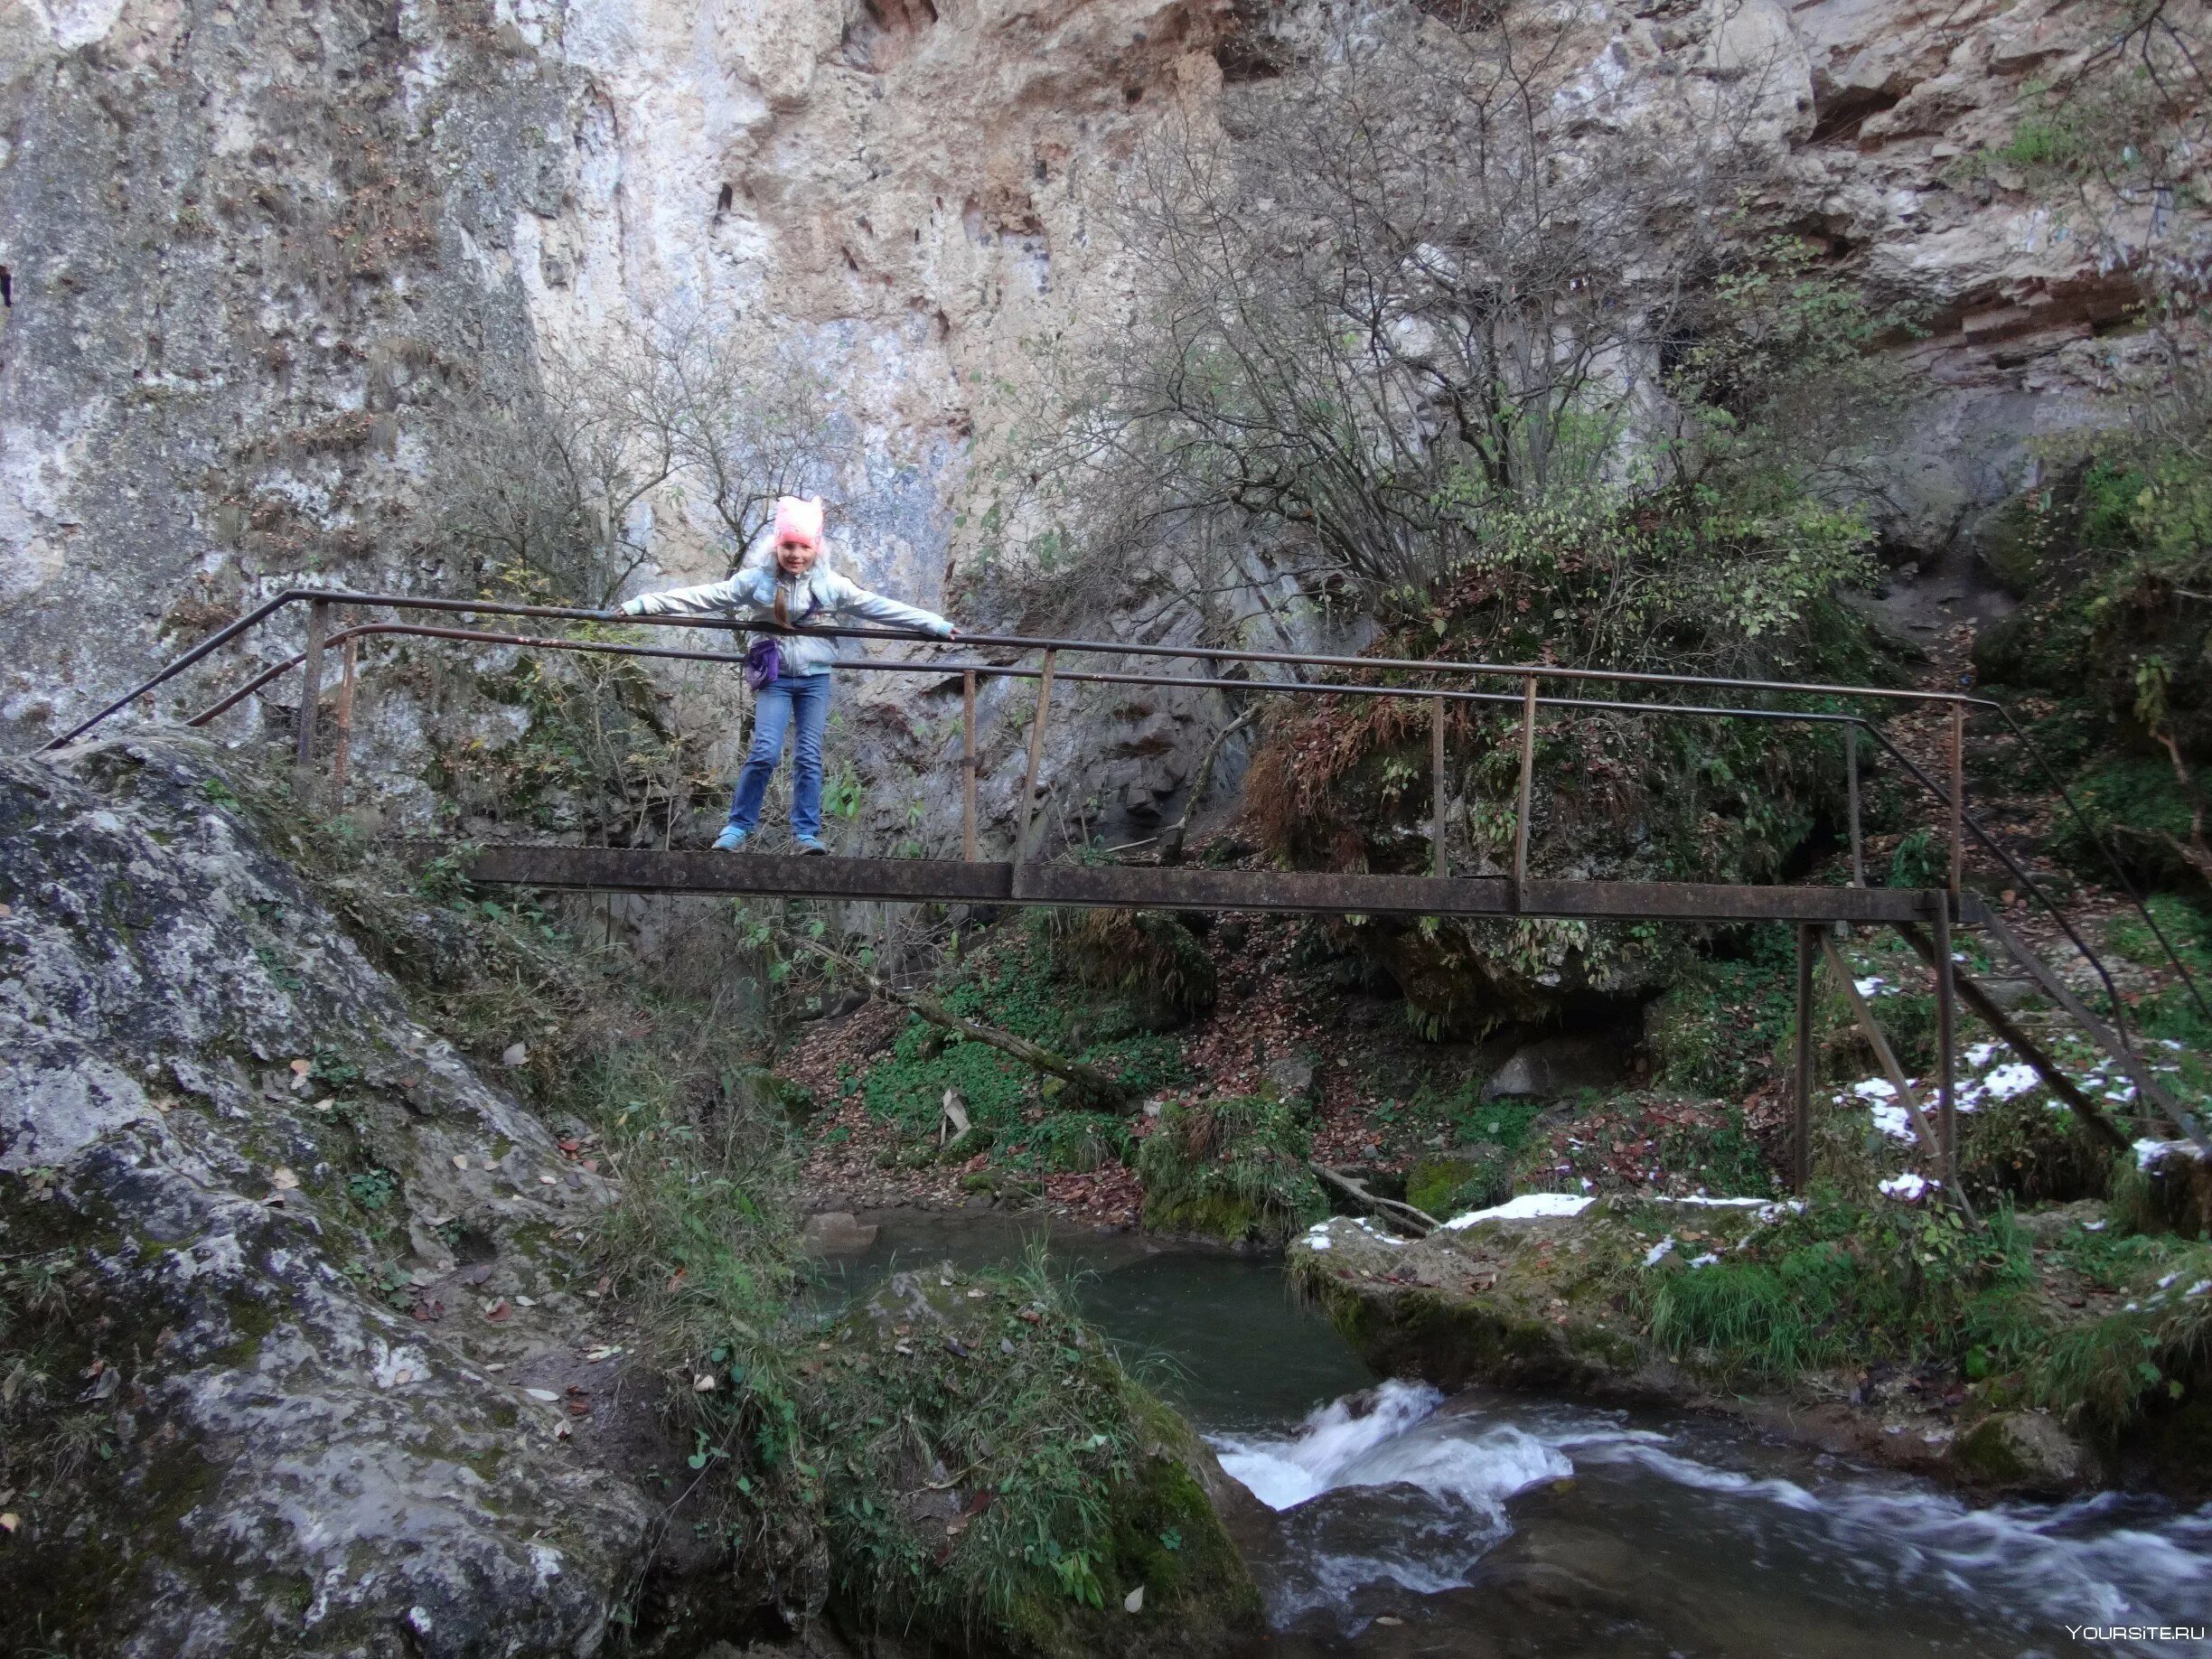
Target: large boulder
1532,1297
995,1479
279,1264
2025,1452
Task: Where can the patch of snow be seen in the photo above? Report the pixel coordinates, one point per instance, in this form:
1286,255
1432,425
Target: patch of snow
1873,986
2199,1288
1908,1188
1706,1259
1874,1089
1652,1256
1982,1053
1528,1206
2148,1152
1893,1122
2009,1080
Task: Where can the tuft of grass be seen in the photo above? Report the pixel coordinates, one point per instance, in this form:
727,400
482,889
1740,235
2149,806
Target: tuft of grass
2116,1370
1232,1167
1072,1141
1838,1281
1146,959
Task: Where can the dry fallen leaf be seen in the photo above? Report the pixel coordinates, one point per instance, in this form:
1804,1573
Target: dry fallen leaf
283,1180
300,1068
703,1383
10,1521
1134,1601
546,1394
460,1162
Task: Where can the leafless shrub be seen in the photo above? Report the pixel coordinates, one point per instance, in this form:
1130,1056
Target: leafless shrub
545,480
1436,266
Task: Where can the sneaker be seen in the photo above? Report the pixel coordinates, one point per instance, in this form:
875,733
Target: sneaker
730,840
812,844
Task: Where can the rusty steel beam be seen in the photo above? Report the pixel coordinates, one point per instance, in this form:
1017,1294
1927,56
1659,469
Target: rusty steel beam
1323,893
1687,901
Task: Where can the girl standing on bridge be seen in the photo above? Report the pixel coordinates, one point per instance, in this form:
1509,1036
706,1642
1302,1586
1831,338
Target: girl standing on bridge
783,578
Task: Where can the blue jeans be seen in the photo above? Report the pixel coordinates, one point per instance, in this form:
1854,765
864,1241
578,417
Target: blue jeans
806,695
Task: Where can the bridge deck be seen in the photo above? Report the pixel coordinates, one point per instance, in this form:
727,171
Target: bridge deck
950,881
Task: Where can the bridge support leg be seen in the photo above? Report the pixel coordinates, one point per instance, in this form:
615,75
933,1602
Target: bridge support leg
1801,1090
1958,795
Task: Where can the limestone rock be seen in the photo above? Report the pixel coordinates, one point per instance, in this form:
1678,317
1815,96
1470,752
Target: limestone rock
838,1233
295,1465
1506,1302
1295,1079
1557,1065
2023,1451
912,197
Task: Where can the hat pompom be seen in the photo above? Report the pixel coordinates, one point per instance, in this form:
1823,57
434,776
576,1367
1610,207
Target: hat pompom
799,518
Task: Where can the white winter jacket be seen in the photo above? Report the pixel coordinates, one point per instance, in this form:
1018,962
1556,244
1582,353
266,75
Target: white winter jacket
816,597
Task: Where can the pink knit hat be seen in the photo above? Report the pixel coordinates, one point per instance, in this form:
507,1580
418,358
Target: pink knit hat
799,518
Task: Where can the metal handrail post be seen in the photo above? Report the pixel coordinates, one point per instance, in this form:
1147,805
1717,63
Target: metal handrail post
1524,801
967,765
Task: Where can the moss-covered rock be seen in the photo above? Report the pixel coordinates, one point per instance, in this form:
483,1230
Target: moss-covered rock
2025,1452
1547,1302
992,1478
1445,1186
2164,1187
1232,1168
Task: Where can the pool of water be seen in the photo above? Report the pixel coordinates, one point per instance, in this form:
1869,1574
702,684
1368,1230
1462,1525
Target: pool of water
1394,1521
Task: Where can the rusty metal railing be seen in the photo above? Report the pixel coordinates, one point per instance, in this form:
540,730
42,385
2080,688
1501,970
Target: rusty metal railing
1529,696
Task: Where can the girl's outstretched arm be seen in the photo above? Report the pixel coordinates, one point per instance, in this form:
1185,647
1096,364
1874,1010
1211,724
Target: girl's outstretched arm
857,601
726,597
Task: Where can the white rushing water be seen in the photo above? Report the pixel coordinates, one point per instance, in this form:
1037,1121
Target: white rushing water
1383,1494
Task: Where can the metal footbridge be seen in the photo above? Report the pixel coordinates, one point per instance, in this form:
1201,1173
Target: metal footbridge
341,623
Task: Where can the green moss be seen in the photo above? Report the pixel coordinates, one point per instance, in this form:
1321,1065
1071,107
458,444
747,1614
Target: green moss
1985,1453
1014,988
1448,1186
250,1318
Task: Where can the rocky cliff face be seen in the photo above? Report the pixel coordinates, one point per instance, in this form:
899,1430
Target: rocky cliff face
249,245
281,1270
